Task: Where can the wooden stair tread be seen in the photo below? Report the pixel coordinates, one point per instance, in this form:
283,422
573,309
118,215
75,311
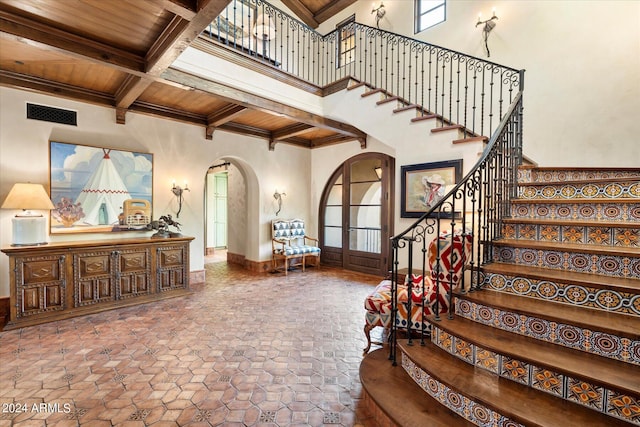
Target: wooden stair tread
389,99
564,276
570,247
614,323
578,181
516,401
446,128
373,92
570,222
408,107
578,364
425,117
470,139
576,201
400,397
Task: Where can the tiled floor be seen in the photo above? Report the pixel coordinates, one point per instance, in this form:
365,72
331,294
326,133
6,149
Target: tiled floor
243,350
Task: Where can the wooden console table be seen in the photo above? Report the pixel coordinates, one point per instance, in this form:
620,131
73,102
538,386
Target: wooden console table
68,279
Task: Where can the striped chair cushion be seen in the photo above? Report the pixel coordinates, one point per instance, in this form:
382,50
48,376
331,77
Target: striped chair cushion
299,250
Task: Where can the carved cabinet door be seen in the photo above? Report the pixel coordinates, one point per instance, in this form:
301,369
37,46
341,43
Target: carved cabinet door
41,285
94,277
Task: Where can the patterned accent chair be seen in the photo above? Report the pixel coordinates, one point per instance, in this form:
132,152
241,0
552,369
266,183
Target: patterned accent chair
289,240
452,257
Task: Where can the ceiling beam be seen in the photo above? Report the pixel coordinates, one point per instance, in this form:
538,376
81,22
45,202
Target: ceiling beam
132,87
256,102
185,9
292,130
225,115
179,35
45,37
302,12
23,81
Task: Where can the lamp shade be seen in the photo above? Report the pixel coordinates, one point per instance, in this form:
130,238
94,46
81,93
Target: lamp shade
264,28
27,196
28,228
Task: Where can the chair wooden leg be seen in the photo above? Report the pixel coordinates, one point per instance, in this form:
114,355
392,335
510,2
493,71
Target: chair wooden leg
304,258
286,266
367,333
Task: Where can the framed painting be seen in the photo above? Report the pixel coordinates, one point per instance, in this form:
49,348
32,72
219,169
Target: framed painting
97,189
423,185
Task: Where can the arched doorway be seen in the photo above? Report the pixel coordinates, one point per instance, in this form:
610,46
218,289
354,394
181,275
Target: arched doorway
356,214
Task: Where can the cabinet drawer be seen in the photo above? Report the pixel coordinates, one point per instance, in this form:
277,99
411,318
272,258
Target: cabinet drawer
39,271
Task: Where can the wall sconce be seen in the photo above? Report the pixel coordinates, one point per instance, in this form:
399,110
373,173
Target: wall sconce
378,171
379,11
278,196
177,191
29,228
489,24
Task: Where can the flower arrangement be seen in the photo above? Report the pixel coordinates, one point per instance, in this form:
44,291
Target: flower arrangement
67,212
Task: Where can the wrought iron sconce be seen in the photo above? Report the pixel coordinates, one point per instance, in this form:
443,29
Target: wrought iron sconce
177,191
489,24
379,11
278,196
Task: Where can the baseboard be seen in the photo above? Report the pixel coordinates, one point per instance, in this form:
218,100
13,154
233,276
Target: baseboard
196,276
4,311
254,266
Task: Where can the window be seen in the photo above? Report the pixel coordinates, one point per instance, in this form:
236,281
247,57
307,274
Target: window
346,41
429,13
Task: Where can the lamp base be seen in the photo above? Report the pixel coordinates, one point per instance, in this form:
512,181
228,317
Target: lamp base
29,230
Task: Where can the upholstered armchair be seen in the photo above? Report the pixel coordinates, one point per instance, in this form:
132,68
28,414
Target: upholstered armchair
447,270
290,241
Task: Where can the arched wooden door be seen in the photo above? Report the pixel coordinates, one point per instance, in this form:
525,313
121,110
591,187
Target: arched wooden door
356,214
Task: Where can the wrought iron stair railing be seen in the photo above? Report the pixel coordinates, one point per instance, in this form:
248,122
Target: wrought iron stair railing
458,88
476,206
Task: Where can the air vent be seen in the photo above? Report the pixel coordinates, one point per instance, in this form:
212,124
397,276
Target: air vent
50,114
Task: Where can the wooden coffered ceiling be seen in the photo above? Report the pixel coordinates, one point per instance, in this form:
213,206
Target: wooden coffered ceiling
117,53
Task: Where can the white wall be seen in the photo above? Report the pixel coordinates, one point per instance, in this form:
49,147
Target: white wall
180,151
582,62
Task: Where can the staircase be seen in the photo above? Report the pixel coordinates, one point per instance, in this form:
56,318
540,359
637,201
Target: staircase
553,337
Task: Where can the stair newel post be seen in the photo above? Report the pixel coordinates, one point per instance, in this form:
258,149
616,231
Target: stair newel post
423,273
396,244
487,214
409,282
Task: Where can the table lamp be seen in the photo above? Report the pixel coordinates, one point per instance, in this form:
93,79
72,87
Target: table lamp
29,228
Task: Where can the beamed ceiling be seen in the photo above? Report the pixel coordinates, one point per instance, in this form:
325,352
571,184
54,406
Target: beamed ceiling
117,53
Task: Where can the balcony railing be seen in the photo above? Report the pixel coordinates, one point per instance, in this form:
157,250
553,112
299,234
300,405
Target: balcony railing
461,89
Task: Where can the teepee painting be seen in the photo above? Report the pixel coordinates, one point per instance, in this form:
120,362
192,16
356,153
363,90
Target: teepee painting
90,185
104,195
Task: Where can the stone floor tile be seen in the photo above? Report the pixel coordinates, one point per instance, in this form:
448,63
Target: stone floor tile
219,356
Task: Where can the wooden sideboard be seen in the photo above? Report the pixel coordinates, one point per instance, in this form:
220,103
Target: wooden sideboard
68,279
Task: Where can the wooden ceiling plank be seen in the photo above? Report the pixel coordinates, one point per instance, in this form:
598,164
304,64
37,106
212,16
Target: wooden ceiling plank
302,12
180,36
331,9
256,102
47,37
291,131
225,115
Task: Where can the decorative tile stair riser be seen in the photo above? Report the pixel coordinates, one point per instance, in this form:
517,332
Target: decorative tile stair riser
596,342
581,191
608,265
611,300
601,399
564,175
592,234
